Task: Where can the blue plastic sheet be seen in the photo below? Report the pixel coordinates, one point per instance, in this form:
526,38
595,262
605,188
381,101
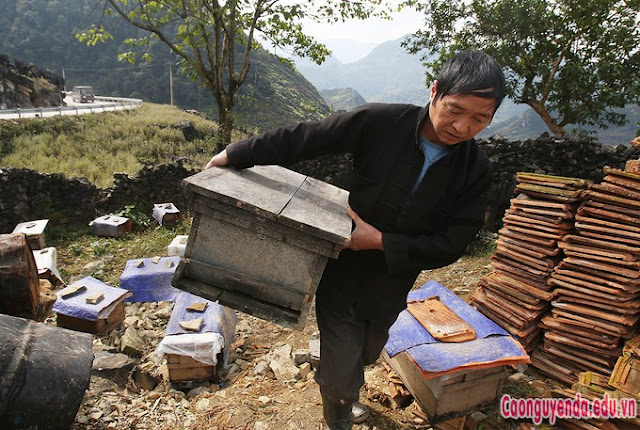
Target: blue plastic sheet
407,331
202,346
152,281
441,356
492,342
215,317
77,306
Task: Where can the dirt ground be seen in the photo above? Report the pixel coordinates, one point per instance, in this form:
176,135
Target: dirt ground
139,396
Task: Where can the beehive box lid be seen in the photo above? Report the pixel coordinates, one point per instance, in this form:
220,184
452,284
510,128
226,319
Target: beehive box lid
281,195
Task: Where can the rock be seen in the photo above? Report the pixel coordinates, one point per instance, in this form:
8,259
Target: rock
131,343
101,384
92,266
144,379
114,367
301,356
262,368
260,425
264,400
474,420
282,364
305,369
197,391
203,404
517,377
314,352
105,360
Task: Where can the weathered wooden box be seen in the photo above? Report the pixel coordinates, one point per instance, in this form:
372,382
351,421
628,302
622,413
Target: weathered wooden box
452,394
260,239
185,368
100,326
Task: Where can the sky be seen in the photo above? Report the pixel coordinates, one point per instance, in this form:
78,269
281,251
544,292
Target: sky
354,39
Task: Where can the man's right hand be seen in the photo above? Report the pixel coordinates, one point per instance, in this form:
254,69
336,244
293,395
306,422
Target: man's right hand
218,160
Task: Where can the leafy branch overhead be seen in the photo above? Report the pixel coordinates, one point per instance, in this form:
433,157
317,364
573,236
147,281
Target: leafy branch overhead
573,61
214,39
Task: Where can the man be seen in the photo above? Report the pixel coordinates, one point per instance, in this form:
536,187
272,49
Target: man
417,199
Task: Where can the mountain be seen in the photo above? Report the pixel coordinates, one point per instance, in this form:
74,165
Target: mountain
342,98
391,75
387,72
42,32
529,125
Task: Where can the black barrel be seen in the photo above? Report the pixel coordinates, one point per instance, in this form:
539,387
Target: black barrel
44,373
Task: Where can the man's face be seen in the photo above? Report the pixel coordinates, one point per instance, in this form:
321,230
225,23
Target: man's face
456,118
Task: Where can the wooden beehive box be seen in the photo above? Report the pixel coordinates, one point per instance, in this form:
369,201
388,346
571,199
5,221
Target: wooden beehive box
77,311
185,368
452,394
260,239
100,326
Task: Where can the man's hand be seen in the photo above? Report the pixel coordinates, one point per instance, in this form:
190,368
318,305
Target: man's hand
364,236
218,160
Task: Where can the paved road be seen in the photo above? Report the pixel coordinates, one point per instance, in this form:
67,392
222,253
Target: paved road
72,108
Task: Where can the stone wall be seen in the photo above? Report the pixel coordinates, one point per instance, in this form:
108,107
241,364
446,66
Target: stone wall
28,195
73,202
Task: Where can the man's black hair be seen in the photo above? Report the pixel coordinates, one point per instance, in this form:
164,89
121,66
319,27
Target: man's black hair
471,73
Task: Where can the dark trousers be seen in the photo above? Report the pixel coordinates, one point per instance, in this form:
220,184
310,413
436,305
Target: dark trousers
347,344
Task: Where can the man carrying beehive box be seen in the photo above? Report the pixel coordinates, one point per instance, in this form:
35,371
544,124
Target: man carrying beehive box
417,199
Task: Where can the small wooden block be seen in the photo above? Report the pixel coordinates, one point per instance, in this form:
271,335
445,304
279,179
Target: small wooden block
95,299
140,264
71,291
198,307
440,321
155,260
192,325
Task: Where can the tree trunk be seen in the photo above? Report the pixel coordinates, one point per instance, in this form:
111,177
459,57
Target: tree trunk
225,121
556,129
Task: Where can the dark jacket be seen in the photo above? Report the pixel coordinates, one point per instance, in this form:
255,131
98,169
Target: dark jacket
425,230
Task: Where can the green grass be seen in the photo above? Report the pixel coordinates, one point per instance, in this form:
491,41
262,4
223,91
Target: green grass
76,251
97,145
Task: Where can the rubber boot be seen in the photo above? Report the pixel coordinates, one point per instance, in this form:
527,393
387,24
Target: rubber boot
337,415
359,413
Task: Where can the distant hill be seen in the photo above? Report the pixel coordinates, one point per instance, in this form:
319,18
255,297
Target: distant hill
342,98
387,70
389,74
529,125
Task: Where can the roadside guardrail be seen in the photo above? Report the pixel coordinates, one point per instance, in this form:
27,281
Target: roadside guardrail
101,104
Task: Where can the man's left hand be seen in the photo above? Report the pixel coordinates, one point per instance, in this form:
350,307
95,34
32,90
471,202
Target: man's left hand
364,236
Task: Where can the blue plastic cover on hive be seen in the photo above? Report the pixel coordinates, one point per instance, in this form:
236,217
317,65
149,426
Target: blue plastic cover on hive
215,335
492,342
149,281
77,306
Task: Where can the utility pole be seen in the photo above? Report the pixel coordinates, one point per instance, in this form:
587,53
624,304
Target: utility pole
171,82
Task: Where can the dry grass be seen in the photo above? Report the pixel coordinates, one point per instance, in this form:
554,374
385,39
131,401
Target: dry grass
97,145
